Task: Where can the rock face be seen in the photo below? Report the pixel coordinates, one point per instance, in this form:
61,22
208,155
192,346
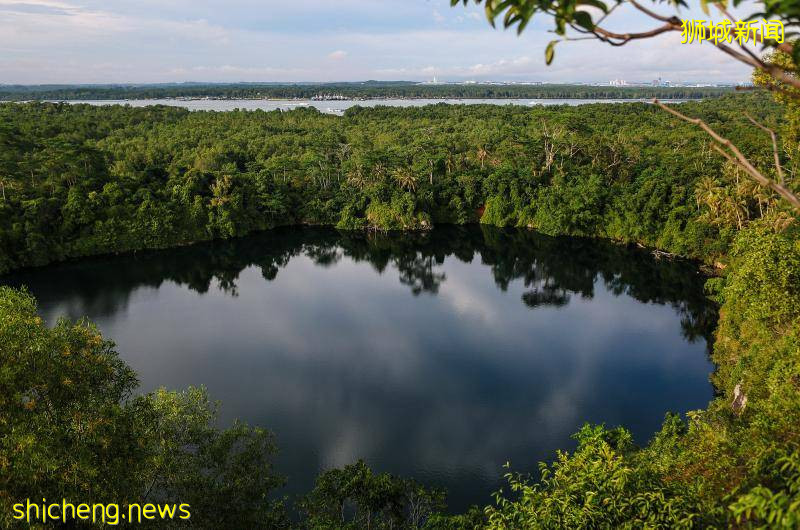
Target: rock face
739,400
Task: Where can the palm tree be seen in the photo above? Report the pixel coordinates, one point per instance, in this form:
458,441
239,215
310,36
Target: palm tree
357,177
6,184
483,154
450,162
734,209
708,192
764,196
3,187
220,190
342,154
379,170
406,178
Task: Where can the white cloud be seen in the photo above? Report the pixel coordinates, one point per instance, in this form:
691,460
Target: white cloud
23,4
97,41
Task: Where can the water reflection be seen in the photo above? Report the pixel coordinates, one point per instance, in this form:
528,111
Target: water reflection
438,355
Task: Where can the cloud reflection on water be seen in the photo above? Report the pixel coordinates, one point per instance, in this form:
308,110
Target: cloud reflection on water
439,367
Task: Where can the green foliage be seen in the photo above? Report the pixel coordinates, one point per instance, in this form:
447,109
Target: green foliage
70,429
763,508
63,427
601,485
473,519
520,12
355,497
575,206
498,212
82,180
225,475
399,214
765,286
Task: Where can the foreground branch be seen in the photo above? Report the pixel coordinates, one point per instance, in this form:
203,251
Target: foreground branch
673,23
619,39
737,157
774,139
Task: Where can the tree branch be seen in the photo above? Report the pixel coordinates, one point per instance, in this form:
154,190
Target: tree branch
620,39
775,71
773,87
756,62
675,24
774,146
740,159
721,151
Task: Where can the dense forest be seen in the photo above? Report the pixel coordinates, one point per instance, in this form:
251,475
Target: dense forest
82,180
366,90
77,180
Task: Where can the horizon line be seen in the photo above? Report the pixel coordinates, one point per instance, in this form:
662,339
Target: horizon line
356,82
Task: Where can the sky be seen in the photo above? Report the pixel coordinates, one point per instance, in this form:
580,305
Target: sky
155,41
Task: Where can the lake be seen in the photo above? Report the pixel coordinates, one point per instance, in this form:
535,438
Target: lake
338,107
437,356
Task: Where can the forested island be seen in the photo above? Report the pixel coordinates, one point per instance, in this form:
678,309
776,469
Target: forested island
365,90
78,180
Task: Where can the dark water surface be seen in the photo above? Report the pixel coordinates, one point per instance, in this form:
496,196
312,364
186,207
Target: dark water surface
437,356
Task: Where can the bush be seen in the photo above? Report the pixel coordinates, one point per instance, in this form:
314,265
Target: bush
70,429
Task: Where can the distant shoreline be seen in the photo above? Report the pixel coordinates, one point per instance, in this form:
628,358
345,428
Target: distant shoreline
340,107
354,92
376,98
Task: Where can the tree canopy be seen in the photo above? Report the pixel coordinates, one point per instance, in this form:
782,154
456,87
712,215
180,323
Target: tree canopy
83,180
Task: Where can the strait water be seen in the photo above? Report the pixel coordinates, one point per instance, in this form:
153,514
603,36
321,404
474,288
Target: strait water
437,356
338,107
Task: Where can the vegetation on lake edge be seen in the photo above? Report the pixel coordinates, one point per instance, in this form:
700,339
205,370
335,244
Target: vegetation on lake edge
81,181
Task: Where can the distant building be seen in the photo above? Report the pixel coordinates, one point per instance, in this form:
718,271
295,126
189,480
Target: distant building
618,82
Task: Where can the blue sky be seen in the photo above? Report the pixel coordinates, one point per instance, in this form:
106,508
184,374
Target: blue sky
141,41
